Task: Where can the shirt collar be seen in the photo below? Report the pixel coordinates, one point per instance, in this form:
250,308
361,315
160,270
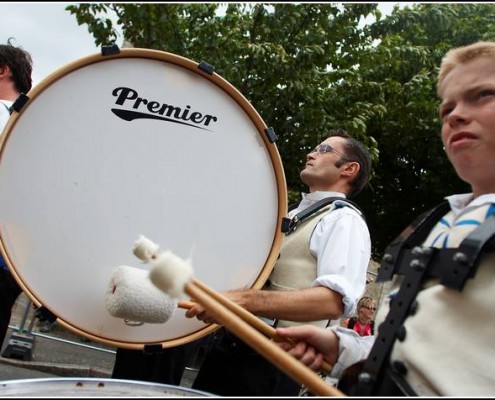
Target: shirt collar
458,202
308,199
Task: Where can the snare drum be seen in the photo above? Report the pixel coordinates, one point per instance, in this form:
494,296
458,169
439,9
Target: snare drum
93,387
141,142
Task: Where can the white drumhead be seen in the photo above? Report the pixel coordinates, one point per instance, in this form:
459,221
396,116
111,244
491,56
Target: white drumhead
143,142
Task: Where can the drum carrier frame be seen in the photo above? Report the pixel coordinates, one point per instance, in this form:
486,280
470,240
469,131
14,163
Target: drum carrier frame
406,257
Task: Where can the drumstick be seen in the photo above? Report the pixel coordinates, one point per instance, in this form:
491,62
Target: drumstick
246,316
250,318
267,348
235,308
160,276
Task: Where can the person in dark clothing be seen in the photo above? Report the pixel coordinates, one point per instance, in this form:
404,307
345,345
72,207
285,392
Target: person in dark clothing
160,366
15,78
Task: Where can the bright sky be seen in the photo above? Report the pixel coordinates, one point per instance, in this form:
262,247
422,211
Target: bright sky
52,36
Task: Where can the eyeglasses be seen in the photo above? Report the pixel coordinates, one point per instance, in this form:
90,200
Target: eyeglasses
326,148
370,308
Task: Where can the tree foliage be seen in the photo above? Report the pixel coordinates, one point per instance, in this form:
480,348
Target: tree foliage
310,67
413,173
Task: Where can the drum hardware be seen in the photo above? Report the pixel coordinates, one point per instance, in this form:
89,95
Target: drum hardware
271,135
110,50
19,103
412,236
406,256
205,67
21,342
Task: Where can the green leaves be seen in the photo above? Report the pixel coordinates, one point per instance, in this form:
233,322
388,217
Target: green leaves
310,67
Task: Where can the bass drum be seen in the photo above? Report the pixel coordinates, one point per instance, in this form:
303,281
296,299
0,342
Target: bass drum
141,142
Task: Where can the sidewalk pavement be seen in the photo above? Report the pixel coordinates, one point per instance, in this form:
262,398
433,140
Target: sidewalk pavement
59,353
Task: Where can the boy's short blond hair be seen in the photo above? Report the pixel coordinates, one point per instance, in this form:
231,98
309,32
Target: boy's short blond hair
462,55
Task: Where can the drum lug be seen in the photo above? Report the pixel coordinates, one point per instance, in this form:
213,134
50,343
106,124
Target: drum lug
205,67
110,50
19,103
271,135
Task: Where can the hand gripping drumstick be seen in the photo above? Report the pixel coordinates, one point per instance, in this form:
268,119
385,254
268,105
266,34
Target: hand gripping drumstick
250,318
146,250
172,275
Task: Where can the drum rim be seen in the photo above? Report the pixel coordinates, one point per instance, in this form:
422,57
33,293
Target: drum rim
37,382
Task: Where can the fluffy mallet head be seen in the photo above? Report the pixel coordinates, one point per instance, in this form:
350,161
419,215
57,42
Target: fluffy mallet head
131,296
170,273
145,249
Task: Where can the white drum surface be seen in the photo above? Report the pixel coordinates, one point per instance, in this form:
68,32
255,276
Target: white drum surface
79,184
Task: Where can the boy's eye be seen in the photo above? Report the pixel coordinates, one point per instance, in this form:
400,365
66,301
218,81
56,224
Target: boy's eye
445,112
487,92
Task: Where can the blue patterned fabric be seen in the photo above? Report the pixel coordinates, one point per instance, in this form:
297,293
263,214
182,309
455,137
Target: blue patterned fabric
451,230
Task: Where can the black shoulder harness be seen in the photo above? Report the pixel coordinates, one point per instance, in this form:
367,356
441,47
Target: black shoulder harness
405,256
290,224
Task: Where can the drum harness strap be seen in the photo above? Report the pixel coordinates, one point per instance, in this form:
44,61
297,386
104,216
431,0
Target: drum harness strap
290,224
405,256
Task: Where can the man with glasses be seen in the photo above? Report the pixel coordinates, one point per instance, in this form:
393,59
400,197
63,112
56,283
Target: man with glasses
318,277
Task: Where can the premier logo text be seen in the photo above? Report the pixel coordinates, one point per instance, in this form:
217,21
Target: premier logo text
151,109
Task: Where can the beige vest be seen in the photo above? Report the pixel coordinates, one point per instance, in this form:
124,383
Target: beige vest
296,267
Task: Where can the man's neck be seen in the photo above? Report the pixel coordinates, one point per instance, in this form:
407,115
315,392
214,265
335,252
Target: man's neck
316,193
333,188
8,93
